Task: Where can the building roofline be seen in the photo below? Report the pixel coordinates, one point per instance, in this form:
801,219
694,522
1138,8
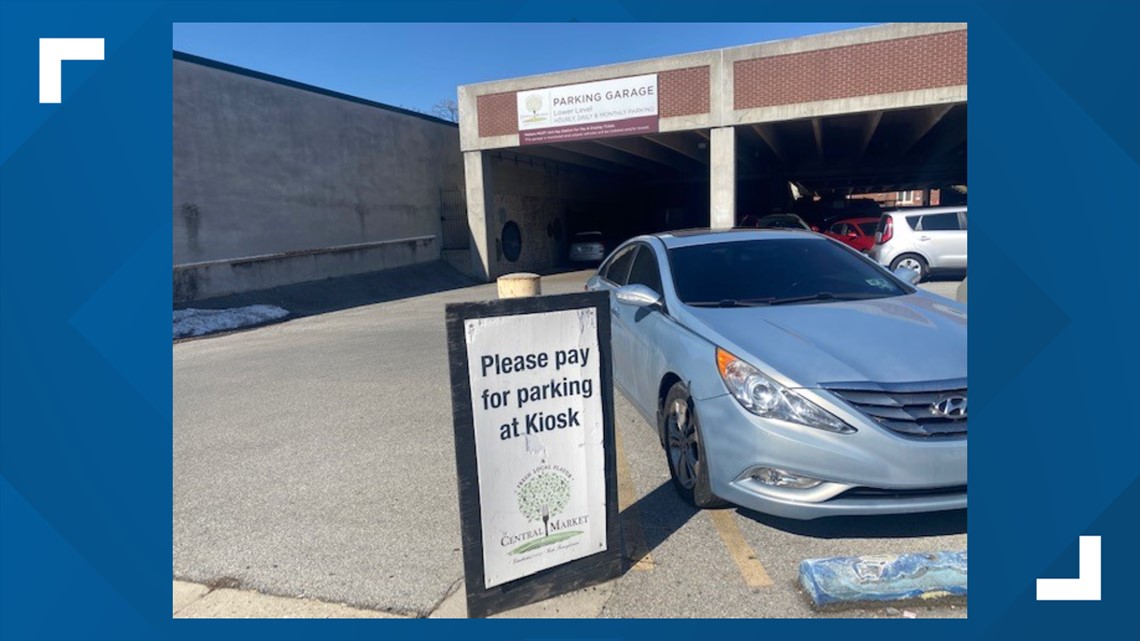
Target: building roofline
277,80
781,46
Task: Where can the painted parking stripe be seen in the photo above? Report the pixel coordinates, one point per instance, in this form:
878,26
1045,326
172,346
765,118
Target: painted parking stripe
742,554
630,519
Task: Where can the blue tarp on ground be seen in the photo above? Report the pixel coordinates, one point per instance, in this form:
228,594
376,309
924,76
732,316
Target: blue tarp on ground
852,579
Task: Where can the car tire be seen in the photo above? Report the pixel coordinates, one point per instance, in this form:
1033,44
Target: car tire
912,261
684,449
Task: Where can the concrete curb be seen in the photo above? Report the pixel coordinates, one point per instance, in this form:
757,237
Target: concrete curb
852,580
197,601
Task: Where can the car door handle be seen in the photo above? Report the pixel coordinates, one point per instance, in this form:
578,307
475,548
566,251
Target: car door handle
924,237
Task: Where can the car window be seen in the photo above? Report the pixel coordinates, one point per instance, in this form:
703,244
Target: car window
912,221
837,228
939,222
868,228
765,271
618,268
644,270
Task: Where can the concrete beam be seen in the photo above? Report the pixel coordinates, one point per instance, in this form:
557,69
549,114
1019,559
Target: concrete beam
817,133
616,155
919,126
556,154
870,127
684,145
642,148
768,135
722,182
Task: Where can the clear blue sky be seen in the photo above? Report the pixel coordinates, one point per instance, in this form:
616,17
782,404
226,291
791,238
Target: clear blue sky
417,65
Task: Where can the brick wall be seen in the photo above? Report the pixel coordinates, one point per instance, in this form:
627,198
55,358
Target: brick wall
498,114
905,64
683,92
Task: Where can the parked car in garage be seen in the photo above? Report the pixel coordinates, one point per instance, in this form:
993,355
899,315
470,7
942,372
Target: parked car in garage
859,233
776,221
827,386
587,247
926,240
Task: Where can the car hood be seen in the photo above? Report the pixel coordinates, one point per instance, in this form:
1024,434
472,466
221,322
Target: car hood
902,339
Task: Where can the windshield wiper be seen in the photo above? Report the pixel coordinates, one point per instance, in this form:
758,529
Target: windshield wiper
731,302
820,296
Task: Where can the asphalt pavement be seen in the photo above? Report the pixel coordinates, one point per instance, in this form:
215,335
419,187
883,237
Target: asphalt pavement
314,458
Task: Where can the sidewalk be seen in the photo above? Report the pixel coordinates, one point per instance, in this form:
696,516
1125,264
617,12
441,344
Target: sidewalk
197,601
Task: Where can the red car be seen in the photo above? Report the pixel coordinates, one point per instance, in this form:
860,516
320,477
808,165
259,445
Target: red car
856,232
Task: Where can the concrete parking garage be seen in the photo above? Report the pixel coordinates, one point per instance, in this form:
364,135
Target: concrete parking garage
735,131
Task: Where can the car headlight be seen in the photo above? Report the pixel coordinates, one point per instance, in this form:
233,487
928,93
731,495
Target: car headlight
765,397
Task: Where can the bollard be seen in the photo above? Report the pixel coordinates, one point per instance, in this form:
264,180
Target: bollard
519,285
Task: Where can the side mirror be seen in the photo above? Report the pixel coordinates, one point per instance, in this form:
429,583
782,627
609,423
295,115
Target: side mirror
907,275
852,234
637,296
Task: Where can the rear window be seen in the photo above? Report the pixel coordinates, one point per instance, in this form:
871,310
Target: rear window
588,237
940,222
868,229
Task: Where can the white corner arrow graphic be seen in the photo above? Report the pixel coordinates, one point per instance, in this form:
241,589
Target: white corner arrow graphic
53,51
1086,587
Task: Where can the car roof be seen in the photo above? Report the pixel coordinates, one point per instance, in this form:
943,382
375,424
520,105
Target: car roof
856,219
691,237
918,211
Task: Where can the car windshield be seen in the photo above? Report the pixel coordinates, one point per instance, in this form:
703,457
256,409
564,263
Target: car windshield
588,237
775,271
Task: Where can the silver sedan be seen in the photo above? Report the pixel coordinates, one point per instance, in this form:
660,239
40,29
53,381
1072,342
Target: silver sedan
789,374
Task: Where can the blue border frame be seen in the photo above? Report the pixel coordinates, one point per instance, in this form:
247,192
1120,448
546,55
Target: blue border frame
85,252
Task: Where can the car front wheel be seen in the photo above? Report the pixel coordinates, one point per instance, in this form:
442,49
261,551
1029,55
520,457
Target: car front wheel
684,449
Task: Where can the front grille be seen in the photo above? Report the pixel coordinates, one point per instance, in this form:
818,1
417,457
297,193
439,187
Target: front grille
880,493
907,410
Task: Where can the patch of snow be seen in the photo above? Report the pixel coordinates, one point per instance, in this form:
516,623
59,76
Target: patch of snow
196,322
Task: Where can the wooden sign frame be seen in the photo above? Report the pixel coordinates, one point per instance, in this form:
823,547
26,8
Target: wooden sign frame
569,576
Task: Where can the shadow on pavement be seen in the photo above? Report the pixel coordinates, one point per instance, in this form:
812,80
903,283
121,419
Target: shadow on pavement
661,513
895,526
333,294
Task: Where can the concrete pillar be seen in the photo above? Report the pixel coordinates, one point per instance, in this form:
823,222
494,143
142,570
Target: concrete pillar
722,180
477,171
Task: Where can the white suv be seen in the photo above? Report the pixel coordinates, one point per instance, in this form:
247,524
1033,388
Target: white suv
926,240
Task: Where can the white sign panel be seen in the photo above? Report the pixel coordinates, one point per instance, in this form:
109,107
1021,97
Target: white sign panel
618,107
536,404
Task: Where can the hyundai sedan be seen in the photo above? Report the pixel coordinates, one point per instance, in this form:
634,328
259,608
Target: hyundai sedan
789,374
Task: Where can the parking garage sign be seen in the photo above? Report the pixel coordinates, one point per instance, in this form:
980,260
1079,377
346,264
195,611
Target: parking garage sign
533,405
607,108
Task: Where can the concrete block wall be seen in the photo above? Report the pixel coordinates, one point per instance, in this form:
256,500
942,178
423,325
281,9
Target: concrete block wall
265,167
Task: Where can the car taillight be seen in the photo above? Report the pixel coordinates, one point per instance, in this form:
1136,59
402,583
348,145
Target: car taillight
888,231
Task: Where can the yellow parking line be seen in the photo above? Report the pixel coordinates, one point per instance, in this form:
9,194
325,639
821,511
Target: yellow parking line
750,567
631,522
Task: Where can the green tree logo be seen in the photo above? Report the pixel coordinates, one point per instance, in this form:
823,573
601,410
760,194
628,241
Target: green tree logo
543,496
534,104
